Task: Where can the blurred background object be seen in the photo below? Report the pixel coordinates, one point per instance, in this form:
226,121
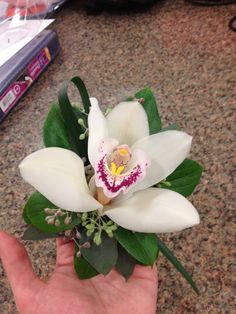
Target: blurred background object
21,20
29,8
22,56
94,6
232,23
24,67
212,2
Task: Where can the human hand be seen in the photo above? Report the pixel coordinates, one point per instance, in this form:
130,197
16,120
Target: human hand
65,293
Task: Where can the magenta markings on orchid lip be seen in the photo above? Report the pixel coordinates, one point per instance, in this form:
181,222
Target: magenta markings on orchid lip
112,184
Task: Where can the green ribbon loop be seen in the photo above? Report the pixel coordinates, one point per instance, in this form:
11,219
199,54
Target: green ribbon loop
70,118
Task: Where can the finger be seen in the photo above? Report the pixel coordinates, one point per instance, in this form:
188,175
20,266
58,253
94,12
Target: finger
145,272
146,277
65,253
16,264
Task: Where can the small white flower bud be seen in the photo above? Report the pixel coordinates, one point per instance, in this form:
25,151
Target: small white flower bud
97,239
57,223
49,211
78,235
89,232
67,221
86,245
67,233
82,136
59,213
81,121
90,226
84,216
50,220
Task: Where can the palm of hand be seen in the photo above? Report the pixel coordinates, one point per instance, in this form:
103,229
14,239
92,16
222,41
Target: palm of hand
65,293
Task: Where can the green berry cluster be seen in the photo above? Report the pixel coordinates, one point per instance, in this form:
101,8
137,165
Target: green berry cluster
96,224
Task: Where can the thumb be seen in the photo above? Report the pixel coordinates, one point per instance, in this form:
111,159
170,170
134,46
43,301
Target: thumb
65,253
17,265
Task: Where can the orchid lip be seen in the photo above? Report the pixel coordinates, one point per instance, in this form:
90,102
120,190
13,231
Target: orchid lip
120,169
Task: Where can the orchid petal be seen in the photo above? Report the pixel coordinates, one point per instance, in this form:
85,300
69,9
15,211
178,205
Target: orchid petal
154,211
128,122
92,186
97,125
58,174
166,150
107,145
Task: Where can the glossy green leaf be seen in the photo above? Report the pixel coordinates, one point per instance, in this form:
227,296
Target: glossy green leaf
184,179
55,133
35,211
82,268
142,246
32,233
102,257
170,256
71,121
150,106
125,263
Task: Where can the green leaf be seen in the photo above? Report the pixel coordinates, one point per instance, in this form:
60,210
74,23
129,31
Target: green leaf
55,133
125,263
170,256
26,218
150,106
34,210
142,246
184,179
71,121
83,92
32,233
102,257
82,268
173,126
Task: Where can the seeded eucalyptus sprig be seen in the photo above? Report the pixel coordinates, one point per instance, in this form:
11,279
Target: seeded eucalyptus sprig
96,224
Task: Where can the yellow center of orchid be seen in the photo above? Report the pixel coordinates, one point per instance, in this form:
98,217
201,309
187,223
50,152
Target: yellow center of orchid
123,151
116,171
119,159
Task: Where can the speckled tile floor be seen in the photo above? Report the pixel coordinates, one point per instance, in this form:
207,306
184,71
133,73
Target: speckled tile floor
186,54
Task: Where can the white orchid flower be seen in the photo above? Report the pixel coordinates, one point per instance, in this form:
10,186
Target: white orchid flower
127,162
